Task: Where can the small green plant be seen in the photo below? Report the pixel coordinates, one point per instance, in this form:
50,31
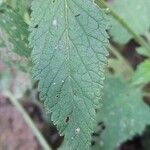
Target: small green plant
67,41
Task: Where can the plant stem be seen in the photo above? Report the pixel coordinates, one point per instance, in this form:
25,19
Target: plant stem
28,120
121,58
123,23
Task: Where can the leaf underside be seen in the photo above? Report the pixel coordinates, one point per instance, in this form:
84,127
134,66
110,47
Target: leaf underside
17,30
69,56
124,113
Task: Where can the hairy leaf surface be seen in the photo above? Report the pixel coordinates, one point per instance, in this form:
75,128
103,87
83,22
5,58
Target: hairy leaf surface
124,113
17,30
69,56
136,13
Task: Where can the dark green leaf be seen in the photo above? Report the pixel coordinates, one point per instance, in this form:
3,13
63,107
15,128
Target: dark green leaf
69,55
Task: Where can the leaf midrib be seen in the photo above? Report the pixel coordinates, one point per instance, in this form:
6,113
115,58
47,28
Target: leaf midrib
68,51
68,39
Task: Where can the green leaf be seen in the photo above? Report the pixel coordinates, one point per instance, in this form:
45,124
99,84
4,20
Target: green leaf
143,51
142,74
17,30
124,113
21,6
135,13
69,56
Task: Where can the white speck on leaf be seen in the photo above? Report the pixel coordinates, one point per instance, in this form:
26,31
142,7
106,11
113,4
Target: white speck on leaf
107,10
78,130
54,22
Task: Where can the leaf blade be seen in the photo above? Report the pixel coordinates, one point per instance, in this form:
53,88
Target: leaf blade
142,73
122,113
69,55
136,15
17,30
